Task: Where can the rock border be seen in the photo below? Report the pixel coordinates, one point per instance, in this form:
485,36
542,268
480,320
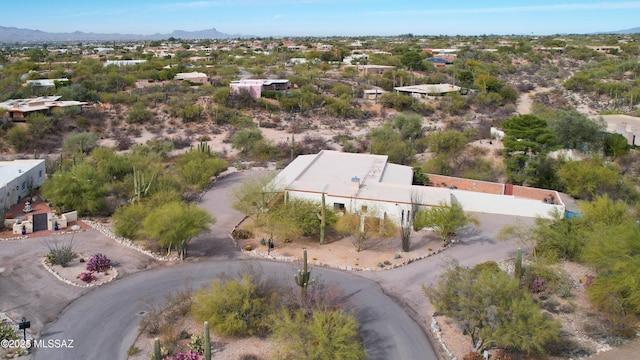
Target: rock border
125,242
88,285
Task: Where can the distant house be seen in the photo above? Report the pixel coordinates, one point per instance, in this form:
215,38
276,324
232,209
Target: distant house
424,90
47,83
194,77
374,69
373,94
124,62
18,109
255,87
354,59
369,184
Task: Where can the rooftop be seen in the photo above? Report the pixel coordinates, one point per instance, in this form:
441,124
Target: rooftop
428,89
9,170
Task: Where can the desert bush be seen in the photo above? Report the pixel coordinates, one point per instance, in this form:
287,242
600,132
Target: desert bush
98,263
87,277
159,314
241,234
60,254
326,334
232,307
7,332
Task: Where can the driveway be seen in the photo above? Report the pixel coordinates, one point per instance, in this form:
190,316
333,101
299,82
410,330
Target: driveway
27,289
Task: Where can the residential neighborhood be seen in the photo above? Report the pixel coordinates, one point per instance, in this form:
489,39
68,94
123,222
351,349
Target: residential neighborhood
198,195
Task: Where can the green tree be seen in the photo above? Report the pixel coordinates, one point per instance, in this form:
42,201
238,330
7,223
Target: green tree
588,178
190,113
387,141
81,143
615,145
39,125
233,307
493,310
409,125
255,195
174,224
413,60
325,335
577,131
19,138
444,219
245,139
526,136
82,188
196,168
127,219
139,114
304,214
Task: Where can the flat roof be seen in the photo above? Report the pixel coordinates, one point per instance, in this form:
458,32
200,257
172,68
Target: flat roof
9,170
335,172
428,89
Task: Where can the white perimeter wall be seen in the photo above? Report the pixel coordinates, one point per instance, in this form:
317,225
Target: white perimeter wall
503,204
374,208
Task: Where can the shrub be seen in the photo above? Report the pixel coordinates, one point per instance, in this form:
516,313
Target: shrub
197,343
185,356
232,307
98,263
7,332
87,277
242,234
60,254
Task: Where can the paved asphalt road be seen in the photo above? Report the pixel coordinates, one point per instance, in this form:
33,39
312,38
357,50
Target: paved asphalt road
104,322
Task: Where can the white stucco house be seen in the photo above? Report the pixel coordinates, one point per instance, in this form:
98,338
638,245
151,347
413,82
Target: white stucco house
369,184
17,177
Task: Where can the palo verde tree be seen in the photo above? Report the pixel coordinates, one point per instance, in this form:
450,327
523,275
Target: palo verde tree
255,195
174,224
444,219
82,188
493,310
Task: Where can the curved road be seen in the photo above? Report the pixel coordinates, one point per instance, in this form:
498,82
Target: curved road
104,323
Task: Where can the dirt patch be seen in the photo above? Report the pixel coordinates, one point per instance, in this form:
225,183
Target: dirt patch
222,348
340,252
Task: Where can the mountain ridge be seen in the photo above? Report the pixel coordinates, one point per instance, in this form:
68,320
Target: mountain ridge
13,34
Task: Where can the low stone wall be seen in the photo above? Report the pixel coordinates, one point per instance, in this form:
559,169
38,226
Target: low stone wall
125,242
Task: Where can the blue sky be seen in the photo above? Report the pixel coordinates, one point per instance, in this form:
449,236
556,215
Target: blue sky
324,17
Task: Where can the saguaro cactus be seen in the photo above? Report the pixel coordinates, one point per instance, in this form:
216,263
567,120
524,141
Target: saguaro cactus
518,265
303,278
140,186
203,147
157,355
293,145
207,342
323,219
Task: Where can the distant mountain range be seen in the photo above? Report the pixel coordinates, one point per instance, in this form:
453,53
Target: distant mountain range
13,35
635,30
